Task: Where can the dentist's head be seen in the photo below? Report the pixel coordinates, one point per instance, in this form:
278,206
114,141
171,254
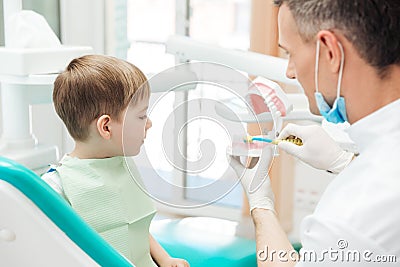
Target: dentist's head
345,54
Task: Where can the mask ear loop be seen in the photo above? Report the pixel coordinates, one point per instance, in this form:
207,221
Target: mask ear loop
339,84
316,66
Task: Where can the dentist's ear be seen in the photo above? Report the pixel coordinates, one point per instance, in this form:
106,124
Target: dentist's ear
331,49
103,126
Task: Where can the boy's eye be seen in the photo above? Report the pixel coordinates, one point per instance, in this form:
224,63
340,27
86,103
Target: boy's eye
285,52
143,117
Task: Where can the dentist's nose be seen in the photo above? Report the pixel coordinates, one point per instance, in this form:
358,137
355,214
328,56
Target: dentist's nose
291,70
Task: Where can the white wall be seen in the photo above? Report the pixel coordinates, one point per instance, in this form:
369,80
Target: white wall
49,129
82,23
101,24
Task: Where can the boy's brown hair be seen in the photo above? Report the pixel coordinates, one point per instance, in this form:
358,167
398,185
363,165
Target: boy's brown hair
95,85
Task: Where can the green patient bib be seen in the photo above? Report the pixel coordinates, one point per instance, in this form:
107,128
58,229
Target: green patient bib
104,193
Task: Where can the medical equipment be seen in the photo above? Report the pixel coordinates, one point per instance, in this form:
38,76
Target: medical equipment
261,138
240,147
265,97
184,48
293,139
252,146
204,241
39,228
27,76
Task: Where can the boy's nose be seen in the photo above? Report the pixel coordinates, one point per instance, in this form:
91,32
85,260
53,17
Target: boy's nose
148,124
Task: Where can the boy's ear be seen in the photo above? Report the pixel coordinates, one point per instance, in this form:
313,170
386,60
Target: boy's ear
103,126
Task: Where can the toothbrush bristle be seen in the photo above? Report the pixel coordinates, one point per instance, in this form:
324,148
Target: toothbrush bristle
275,142
248,139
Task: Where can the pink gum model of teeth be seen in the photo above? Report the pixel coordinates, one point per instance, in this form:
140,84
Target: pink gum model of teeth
267,96
264,96
240,148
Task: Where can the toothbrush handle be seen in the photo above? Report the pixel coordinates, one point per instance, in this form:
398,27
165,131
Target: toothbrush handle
291,139
262,139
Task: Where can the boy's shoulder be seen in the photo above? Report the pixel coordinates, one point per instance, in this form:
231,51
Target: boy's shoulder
52,178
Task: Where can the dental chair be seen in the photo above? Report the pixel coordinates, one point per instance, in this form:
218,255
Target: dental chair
38,227
204,241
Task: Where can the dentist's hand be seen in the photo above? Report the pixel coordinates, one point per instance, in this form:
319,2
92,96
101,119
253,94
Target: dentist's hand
255,181
318,150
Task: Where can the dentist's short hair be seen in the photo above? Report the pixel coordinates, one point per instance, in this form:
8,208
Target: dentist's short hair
96,85
372,26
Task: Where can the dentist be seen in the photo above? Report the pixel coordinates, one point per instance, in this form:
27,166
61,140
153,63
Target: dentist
346,55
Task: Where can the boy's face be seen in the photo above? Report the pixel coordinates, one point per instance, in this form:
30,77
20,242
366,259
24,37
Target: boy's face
134,128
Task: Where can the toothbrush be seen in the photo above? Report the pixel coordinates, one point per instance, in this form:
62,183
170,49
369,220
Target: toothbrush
292,139
251,139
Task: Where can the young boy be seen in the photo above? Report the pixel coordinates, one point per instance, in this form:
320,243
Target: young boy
103,102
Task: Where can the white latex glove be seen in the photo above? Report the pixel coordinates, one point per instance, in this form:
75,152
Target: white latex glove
255,181
318,150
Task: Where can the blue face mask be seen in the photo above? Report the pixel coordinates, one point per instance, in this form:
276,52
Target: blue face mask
336,114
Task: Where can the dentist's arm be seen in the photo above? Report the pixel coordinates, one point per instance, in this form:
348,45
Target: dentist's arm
269,233
318,150
271,238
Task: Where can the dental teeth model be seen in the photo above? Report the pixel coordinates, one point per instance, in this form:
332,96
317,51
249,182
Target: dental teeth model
264,96
267,96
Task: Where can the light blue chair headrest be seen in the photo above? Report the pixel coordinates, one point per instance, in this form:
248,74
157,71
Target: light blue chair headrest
62,215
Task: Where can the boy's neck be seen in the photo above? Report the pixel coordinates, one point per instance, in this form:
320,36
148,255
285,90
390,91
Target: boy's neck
90,151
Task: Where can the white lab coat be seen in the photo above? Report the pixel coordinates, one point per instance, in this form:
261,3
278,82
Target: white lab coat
360,208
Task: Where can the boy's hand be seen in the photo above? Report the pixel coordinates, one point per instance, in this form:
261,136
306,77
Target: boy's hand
175,262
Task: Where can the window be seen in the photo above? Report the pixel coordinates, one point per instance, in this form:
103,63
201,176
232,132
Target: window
185,130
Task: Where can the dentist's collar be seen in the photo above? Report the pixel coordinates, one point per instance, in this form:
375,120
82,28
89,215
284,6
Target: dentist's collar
376,126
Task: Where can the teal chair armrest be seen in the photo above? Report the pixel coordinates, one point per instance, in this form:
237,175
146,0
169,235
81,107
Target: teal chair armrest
60,213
